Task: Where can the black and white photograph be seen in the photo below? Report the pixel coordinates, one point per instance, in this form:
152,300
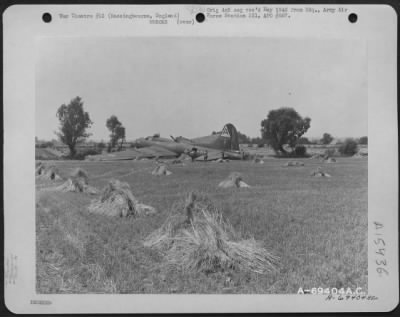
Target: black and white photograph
200,158
187,165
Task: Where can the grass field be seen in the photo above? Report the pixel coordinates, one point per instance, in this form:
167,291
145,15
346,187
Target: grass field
317,226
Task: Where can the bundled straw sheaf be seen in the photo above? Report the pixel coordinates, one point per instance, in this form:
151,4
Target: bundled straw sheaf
330,160
317,156
258,160
118,200
221,160
294,163
360,155
161,170
47,172
234,179
39,169
78,183
319,173
196,237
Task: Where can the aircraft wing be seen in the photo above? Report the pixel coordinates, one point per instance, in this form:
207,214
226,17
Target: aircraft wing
115,156
155,151
131,154
212,154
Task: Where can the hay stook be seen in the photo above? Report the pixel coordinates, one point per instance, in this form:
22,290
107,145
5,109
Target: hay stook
195,236
330,160
161,170
233,180
117,200
360,154
317,156
294,164
258,160
40,168
78,183
221,160
319,173
177,162
47,172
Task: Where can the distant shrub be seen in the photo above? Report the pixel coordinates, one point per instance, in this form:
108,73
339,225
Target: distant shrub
101,145
82,154
363,140
303,140
300,150
329,152
349,147
45,145
326,138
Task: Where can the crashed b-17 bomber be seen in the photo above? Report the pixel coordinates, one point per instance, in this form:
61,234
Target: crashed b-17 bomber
223,144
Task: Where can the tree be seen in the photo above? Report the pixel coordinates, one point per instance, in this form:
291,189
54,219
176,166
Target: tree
300,150
363,140
120,135
303,140
243,139
326,138
256,141
73,124
349,147
117,131
283,126
101,146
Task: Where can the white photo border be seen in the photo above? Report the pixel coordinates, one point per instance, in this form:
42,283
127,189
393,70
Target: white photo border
23,24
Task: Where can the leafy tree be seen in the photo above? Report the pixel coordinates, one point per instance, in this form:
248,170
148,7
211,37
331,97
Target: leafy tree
120,135
283,126
300,150
243,138
363,140
349,147
256,141
303,140
73,124
101,145
117,131
326,138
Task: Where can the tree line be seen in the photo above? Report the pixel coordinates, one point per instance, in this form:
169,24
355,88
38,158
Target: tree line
74,122
282,130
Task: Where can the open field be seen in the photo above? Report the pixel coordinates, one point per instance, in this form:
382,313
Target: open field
317,226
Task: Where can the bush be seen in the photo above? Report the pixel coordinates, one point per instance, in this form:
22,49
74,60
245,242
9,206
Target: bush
303,140
363,140
349,147
329,152
300,150
101,145
82,154
44,145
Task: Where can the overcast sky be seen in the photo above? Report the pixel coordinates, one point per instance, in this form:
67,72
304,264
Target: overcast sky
193,86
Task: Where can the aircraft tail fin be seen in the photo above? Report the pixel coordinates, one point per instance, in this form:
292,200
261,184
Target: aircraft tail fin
229,131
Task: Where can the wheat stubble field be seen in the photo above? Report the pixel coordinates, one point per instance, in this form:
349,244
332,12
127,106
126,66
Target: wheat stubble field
317,227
